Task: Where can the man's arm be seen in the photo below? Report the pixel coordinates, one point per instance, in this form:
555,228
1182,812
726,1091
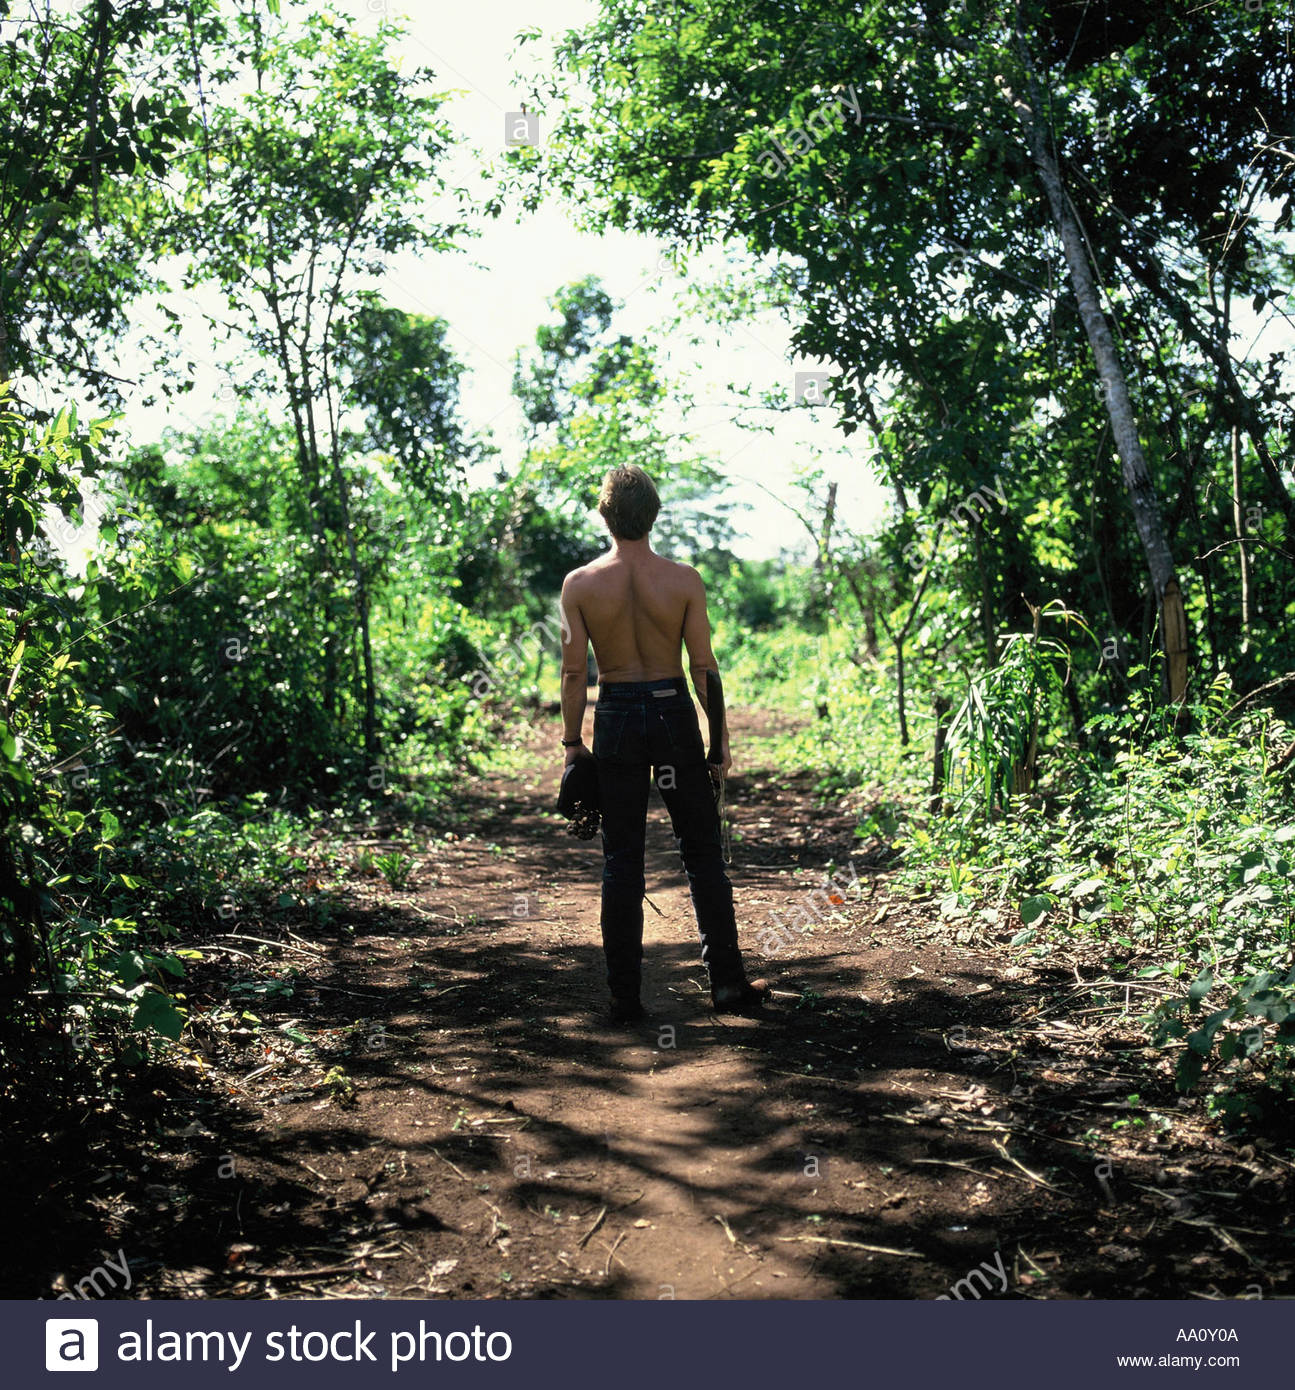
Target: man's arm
701,658
575,672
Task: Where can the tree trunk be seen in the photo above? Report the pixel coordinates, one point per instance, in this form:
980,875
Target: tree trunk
825,539
900,693
942,707
1115,392
1239,524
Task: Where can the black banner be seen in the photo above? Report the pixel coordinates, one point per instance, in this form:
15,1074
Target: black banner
649,1345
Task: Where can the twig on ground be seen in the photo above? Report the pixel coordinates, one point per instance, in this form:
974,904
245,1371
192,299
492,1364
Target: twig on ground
945,1163
611,1255
733,1283
1034,1177
598,1221
279,945
337,989
851,1245
323,1177
302,1273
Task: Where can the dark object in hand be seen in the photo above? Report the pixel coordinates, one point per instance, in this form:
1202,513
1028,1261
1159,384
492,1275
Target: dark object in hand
578,800
715,716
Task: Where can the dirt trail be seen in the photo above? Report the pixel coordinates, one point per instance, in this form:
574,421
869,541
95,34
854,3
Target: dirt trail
439,1109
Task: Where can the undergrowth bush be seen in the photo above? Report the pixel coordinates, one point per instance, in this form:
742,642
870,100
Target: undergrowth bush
1169,844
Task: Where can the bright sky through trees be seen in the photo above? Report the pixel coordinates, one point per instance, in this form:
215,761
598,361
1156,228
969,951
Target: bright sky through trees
494,293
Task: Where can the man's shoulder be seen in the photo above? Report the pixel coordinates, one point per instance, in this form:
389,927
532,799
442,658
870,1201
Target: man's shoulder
686,576
576,576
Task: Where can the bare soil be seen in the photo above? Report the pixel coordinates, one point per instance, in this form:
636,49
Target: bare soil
433,1105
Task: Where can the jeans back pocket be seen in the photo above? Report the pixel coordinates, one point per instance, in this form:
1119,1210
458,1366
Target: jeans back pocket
683,731
609,731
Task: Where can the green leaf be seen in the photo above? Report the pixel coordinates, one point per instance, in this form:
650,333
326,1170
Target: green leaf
1022,938
1250,1041
1190,1066
1201,986
128,967
1037,907
156,1012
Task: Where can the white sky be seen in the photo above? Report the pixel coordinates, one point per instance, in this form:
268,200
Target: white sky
494,293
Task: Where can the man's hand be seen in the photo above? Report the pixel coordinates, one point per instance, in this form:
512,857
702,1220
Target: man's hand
578,751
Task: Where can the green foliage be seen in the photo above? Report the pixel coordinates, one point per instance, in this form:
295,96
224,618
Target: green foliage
394,867
99,107
994,735
399,369
1173,845
73,950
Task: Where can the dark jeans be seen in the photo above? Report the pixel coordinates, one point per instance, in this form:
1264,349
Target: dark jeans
651,726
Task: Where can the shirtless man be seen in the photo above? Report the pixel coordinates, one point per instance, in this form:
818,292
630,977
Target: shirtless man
639,609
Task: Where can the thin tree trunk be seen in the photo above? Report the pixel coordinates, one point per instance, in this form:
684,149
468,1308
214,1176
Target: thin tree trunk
900,698
825,540
942,707
362,606
899,638
1239,524
988,618
1119,407
1023,772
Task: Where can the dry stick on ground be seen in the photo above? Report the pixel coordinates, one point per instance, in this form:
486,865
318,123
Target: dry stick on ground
337,989
979,1172
611,1254
966,1167
733,1283
1034,1177
851,1245
324,1177
598,1221
302,1273
230,951
278,945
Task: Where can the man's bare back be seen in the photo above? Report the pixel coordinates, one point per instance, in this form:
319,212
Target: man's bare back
639,609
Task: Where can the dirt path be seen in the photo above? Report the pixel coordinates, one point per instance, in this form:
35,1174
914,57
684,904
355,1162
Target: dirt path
434,1106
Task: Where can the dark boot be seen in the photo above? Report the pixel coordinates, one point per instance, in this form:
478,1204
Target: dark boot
626,1011
740,996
